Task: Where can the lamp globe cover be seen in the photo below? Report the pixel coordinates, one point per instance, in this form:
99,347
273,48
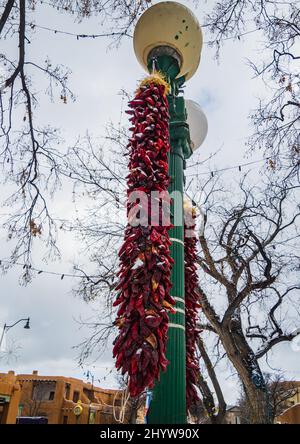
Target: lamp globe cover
197,122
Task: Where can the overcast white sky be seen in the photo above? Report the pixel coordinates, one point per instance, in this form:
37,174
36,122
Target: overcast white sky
225,90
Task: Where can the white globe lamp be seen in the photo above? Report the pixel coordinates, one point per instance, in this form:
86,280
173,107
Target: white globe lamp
197,122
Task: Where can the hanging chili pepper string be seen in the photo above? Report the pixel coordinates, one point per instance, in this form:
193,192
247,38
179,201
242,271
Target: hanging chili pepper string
192,305
144,277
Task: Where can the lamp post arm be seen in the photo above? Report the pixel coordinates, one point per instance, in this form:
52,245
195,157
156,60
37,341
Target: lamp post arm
8,327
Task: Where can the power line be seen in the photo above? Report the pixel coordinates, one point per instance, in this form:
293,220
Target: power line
239,166
126,34
41,271
79,36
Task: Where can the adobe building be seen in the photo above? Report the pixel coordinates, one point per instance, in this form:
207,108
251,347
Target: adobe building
10,393
290,416
59,400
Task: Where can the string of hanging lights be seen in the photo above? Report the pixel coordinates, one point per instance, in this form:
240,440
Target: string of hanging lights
39,271
237,166
123,33
79,36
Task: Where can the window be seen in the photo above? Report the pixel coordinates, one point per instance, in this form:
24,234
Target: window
43,390
67,391
75,396
89,394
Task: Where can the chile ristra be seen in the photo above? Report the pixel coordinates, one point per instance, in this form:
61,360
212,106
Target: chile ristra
192,305
144,277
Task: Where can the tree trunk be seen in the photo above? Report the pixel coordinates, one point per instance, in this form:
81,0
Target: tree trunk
208,400
246,364
133,410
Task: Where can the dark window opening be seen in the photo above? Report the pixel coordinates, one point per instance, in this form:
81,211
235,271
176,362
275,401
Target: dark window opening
89,394
67,391
43,390
75,396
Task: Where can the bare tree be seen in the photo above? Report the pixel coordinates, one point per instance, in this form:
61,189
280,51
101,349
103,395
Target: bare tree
99,180
249,260
277,118
101,230
247,245
11,352
252,249
30,150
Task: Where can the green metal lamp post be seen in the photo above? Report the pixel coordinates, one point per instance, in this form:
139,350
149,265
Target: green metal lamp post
168,37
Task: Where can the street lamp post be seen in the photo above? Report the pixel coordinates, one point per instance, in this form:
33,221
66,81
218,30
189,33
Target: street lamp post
168,38
8,327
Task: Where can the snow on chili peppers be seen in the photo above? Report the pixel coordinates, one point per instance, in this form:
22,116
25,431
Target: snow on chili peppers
192,305
144,277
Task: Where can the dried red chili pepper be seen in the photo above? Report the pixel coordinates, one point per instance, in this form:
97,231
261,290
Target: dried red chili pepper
192,306
144,277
